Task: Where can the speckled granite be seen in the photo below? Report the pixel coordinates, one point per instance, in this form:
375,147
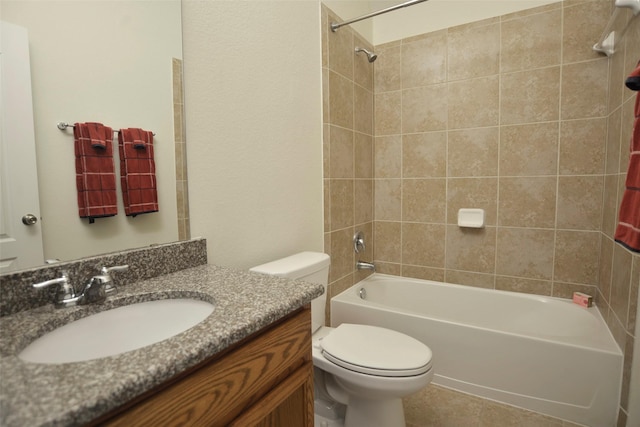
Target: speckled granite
74,393
16,293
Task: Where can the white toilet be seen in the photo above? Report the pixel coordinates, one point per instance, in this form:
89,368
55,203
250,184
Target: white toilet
361,372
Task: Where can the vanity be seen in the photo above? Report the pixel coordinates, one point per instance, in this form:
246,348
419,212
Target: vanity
248,363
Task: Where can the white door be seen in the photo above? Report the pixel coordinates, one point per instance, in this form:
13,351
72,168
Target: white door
20,236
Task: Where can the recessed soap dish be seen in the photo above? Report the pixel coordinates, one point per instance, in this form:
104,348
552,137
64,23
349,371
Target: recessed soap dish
473,218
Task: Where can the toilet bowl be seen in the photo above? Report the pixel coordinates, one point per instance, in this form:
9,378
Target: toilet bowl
362,371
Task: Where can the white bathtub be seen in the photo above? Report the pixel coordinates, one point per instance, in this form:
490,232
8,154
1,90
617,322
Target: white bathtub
539,353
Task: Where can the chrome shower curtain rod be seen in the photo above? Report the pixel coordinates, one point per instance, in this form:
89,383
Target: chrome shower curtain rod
336,25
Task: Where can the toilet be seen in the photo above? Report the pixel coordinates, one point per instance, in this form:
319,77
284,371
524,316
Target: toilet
361,372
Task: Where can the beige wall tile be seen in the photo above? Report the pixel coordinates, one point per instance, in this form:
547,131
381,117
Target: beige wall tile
473,152
532,11
566,290
584,89
341,53
423,244
604,275
467,278
327,206
424,200
424,61
610,205
341,203
476,193
388,241
580,202
525,252
474,103
424,155
388,113
528,150
471,249
473,51
527,286
531,42
340,152
530,96
363,153
424,109
620,283
633,294
582,146
527,202
583,21
388,156
363,110
577,257
614,130
325,95
363,206
388,199
616,81
389,268
340,101
424,273
387,69
628,118
341,252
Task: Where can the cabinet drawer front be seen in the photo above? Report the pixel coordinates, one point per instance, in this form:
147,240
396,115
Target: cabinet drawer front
216,393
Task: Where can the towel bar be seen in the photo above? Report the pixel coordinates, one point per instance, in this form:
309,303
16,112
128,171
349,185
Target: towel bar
64,125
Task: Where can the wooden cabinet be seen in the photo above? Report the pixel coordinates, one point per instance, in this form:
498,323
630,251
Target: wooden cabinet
266,380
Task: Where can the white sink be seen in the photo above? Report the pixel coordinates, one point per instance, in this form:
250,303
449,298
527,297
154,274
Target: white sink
117,331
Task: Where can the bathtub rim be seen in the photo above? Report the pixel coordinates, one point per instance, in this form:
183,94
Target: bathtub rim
350,295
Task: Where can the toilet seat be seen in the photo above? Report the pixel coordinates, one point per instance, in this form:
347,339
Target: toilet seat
376,351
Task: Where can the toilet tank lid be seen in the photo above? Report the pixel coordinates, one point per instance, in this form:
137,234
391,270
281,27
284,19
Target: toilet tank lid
295,266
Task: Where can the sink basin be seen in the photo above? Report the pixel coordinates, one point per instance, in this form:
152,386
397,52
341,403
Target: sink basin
117,331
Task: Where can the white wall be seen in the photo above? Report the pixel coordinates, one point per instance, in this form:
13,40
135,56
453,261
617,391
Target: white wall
253,110
108,62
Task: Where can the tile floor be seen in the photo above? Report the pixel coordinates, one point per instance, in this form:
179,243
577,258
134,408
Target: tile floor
438,406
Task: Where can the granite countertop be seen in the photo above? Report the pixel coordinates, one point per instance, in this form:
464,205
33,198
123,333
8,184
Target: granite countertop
74,393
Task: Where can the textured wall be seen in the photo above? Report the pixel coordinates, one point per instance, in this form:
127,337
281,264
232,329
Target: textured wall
253,113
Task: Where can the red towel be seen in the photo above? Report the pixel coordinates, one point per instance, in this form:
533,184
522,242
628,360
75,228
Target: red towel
628,230
95,174
137,171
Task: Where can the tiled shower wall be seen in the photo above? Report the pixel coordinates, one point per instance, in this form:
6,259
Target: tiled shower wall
619,273
508,115
182,185
515,115
347,81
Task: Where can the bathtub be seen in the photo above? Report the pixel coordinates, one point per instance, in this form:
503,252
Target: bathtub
543,354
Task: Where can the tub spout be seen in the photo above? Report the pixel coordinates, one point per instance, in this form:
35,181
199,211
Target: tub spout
363,265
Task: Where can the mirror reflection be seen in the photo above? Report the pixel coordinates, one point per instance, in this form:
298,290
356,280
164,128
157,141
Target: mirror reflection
112,62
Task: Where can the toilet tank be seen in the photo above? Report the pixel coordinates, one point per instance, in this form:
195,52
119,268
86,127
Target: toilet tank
311,267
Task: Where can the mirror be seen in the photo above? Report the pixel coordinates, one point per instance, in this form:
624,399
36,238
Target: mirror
112,62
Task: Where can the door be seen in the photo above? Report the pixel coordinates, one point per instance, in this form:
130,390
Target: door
20,229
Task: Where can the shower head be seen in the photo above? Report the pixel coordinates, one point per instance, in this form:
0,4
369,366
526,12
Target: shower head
370,55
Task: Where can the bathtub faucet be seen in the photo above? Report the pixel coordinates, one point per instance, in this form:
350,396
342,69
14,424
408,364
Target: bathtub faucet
363,265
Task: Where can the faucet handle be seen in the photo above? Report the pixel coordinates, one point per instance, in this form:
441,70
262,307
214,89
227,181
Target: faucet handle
105,272
65,290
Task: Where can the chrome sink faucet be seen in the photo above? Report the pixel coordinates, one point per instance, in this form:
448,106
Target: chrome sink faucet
96,291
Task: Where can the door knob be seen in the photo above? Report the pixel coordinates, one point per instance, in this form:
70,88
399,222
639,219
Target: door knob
29,219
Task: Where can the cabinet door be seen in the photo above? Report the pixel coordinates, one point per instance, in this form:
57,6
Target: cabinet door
290,404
